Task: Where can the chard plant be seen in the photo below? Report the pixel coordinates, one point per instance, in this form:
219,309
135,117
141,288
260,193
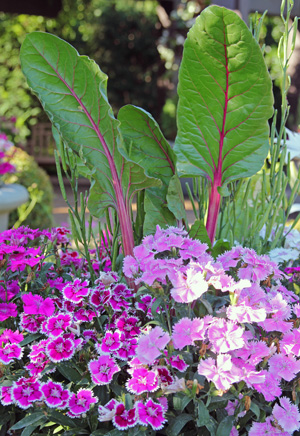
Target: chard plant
257,210
225,101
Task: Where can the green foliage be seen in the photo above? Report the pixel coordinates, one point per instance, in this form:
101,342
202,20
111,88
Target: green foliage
16,99
146,145
225,100
37,212
118,35
122,41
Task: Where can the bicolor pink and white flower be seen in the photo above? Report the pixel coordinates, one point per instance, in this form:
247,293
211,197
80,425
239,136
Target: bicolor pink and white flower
80,403
76,291
151,413
103,369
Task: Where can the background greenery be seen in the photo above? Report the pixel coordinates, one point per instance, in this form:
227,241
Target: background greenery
37,212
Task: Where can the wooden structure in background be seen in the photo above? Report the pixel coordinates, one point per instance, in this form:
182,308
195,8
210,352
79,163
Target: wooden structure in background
41,145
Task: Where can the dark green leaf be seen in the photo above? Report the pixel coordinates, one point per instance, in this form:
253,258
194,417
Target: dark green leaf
177,425
220,247
30,429
28,420
60,418
255,409
203,415
30,338
69,372
225,426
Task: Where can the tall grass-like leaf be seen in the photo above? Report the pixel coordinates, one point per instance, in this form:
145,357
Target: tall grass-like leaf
72,90
225,101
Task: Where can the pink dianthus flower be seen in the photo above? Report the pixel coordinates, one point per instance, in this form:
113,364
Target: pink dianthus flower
287,415
225,335
188,286
182,333
151,344
223,374
283,366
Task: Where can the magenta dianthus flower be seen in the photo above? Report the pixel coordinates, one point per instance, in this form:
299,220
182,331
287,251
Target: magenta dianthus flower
151,413
5,395
124,419
54,393
35,305
103,369
111,342
142,380
7,310
76,291
58,324
60,349
26,391
80,403
10,352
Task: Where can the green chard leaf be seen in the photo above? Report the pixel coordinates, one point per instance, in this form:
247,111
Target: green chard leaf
72,90
225,101
146,145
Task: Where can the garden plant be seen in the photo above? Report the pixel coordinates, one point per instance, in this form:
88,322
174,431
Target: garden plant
152,326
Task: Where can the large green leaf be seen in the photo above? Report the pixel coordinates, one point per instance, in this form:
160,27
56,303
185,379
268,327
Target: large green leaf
225,100
146,145
72,90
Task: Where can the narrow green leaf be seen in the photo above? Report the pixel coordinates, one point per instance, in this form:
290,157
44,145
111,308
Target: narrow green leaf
255,409
225,426
30,429
177,425
30,338
60,418
28,420
69,372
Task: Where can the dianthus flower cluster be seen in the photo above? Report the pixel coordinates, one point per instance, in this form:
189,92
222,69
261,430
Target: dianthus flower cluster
199,327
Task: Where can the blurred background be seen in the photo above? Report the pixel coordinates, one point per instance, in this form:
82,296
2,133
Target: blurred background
137,43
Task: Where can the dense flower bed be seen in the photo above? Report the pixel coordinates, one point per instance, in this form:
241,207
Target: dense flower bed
217,339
